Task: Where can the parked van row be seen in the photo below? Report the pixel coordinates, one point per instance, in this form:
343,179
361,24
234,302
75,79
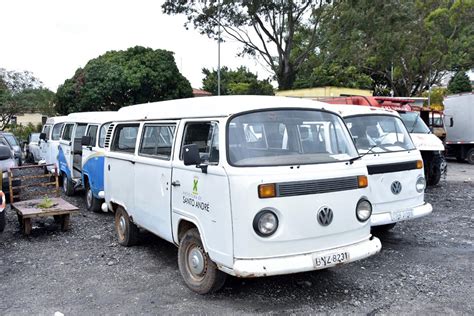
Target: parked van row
244,185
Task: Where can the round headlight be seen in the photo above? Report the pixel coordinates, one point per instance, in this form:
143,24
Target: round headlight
420,184
363,210
265,223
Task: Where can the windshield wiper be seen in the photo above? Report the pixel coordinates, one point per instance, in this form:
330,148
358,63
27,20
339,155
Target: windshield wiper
351,161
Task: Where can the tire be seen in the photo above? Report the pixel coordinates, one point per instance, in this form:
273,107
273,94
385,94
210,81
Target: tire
127,232
433,171
68,186
2,220
199,272
92,203
470,156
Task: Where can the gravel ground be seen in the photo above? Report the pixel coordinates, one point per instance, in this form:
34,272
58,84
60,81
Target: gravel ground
425,267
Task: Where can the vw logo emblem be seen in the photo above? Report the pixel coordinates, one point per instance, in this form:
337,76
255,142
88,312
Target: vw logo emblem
396,187
325,216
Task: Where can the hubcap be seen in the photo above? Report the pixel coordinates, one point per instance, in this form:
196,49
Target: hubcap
89,197
122,225
196,261
65,184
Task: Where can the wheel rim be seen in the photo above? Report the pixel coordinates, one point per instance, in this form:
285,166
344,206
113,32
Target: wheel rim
470,158
65,184
89,197
196,262
121,226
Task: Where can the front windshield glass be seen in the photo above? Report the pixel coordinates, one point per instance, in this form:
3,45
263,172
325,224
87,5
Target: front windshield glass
11,139
288,137
414,123
379,133
34,137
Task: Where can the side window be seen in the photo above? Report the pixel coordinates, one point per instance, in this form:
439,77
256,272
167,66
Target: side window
92,132
80,130
67,132
57,131
125,138
46,130
103,131
206,136
157,141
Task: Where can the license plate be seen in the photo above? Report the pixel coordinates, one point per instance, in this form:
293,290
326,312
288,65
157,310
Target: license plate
330,259
401,215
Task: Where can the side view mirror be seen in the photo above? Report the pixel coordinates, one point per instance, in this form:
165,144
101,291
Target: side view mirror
86,141
191,157
43,136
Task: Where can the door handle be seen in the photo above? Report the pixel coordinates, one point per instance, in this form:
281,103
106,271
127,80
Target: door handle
176,183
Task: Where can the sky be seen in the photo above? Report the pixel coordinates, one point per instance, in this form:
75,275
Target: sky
52,38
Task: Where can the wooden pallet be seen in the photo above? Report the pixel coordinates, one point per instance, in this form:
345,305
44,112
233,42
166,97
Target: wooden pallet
29,209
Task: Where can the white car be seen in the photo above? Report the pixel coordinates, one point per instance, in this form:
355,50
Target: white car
32,148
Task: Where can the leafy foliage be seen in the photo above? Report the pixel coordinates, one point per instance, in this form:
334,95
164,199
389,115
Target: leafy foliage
267,29
419,39
437,97
23,131
240,81
120,78
459,83
21,92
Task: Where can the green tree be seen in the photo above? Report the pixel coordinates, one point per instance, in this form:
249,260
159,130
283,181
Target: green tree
403,45
459,83
120,78
266,29
17,91
240,81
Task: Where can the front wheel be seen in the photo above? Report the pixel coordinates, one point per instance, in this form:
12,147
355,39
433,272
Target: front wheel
127,232
92,203
200,273
68,186
470,156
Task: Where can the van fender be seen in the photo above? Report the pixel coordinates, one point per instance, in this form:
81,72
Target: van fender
177,217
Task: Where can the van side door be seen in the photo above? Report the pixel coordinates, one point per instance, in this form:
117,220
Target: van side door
153,178
90,161
204,198
120,165
65,151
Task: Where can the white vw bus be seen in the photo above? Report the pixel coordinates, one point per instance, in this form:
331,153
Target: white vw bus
244,185
395,166
49,140
82,166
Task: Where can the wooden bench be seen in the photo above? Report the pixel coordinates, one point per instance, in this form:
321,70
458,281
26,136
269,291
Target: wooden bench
47,185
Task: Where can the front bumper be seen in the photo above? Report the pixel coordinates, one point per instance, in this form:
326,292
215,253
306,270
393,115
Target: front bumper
400,215
249,268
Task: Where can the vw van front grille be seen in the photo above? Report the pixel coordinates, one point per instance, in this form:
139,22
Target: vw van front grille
108,135
316,186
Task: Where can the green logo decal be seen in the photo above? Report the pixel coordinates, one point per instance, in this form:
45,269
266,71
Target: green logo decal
195,186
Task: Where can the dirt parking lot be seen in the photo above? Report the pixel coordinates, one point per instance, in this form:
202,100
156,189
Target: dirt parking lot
426,266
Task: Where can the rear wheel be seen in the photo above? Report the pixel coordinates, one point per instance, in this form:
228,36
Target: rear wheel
92,203
127,232
68,186
199,272
470,156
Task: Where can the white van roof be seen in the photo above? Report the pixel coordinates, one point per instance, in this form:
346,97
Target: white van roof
351,110
55,119
91,117
216,106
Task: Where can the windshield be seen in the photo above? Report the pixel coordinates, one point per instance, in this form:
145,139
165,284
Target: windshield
414,123
379,133
288,137
34,137
11,139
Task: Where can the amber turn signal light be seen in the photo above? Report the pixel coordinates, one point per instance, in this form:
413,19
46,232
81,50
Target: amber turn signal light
362,181
266,190
419,164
